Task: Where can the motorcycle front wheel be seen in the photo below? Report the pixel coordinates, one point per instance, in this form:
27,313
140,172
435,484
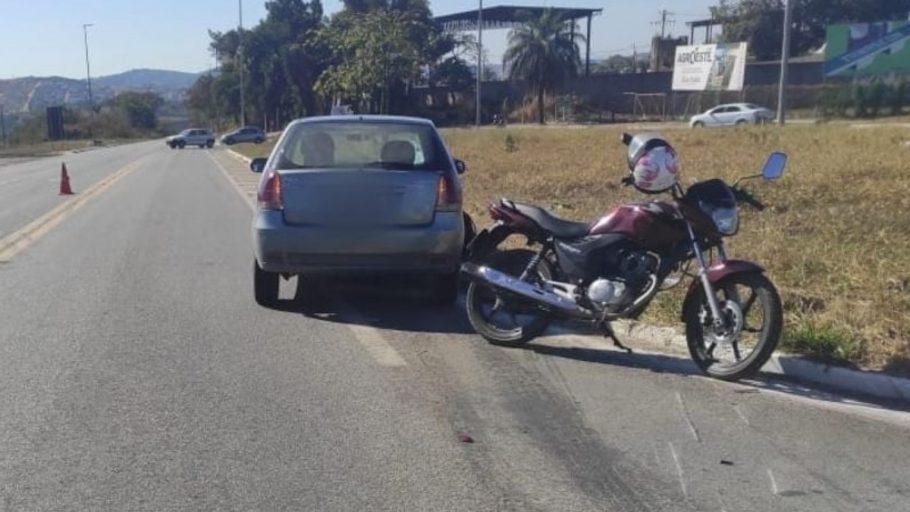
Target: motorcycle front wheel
502,319
752,327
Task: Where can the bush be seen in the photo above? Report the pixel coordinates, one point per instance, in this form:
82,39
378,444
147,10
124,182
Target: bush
878,94
897,98
860,101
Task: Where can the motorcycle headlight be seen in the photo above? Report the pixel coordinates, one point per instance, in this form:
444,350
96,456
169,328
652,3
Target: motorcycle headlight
726,220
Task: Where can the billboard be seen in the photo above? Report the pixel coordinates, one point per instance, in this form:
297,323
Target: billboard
862,49
55,123
710,67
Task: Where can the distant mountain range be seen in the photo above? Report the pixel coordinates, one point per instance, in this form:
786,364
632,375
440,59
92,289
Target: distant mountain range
32,94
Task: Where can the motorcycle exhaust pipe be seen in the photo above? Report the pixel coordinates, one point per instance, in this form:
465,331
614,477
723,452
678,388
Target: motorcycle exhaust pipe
515,286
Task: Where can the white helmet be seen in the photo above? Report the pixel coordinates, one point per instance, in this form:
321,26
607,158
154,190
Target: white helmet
653,163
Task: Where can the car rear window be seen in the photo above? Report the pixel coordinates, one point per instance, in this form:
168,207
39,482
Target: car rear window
357,145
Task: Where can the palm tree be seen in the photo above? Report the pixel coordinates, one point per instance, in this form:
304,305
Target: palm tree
543,53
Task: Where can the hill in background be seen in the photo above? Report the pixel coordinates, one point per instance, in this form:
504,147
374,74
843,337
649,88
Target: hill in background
33,94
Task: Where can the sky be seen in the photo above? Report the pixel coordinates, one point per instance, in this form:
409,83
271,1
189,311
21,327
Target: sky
45,37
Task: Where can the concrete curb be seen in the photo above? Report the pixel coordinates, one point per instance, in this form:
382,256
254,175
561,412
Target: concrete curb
668,341
238,156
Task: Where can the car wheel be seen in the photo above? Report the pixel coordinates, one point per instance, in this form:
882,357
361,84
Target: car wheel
265,286
698,124
445,289
741,122
210,144
181,144
259,140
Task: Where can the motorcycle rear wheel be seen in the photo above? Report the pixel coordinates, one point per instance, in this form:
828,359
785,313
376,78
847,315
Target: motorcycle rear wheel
760,302
495,315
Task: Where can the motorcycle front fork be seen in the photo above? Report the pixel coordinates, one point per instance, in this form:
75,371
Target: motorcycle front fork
703,276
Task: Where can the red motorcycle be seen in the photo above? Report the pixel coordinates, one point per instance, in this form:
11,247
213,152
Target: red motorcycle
613,268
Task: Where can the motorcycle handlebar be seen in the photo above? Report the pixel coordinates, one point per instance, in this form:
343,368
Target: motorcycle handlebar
746,197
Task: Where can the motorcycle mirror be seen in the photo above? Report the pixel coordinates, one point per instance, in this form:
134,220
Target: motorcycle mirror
258,164
774,167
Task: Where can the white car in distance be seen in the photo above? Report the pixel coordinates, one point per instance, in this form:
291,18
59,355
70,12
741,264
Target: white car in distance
733,114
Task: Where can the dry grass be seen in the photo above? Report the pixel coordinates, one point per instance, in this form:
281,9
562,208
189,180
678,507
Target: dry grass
836,238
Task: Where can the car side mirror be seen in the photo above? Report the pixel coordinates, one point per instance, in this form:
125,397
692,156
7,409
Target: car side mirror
258,164
774,167
460,166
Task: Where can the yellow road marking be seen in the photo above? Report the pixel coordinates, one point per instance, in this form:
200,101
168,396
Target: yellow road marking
21,239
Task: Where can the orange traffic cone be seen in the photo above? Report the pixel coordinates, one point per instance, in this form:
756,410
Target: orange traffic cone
65,189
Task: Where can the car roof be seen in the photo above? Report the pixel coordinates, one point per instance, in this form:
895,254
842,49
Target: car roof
365,118
747,105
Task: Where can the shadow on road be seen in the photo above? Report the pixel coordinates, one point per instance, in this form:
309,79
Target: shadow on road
394,303
399,304
678,365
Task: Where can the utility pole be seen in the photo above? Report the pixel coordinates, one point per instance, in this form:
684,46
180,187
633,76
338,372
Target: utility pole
479,60
784,64
240,62
88,76
663,22
88,72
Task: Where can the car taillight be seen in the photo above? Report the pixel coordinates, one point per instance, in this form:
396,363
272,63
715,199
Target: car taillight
269,195
448,197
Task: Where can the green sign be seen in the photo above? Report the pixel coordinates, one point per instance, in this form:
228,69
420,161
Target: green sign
868,49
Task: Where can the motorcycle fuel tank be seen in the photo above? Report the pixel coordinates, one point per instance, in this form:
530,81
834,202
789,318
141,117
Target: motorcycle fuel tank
652,225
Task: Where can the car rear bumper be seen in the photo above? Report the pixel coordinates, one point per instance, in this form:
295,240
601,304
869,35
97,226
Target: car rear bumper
281,247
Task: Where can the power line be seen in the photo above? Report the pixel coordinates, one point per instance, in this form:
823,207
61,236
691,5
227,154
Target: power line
664,21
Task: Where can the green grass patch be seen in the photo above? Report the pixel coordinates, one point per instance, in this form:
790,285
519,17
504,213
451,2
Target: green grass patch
255,150
823,340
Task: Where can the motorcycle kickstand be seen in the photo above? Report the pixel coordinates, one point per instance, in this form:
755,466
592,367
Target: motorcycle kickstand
608,333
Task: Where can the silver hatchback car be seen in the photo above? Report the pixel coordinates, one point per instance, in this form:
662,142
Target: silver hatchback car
358,194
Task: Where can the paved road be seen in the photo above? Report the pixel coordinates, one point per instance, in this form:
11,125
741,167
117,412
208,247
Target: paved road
136,373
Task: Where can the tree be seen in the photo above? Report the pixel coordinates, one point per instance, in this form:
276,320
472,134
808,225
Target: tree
372,55
760,22
616,64
544,54
140,108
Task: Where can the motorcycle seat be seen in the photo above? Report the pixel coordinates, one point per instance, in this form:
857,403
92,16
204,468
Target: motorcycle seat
549,222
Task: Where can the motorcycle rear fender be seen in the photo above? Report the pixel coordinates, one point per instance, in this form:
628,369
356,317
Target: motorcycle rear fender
716,273
487,240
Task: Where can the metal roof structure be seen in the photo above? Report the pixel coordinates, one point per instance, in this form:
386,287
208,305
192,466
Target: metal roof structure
507,16
511,16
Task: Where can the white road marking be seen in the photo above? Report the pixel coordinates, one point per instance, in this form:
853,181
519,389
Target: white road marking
741,414
685,413
369,337
377,346
243,195
679,470
774,489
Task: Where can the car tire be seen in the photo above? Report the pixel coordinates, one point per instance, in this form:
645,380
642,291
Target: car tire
259,140
698,124
445,289
181,144
265,286
741,122
210,144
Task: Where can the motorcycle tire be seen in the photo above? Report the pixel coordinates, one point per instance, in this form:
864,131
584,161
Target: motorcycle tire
768,336
512,262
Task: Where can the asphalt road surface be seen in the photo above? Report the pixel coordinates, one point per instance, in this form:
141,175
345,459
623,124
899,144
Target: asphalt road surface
137,373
